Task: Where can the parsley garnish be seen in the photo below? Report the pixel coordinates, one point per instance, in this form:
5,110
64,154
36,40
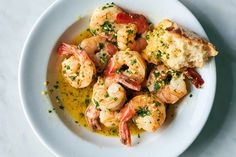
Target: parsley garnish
156,74
115,98
133,61
101,46
130,32
156,86
106,95
86,101
107,27
156,103
96,103
72,77
143,112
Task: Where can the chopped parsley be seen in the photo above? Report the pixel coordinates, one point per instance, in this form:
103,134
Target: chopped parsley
67,67
86,101
128,72
147,37
177,73
157,85
159,54
134,61
143,112
167,79
130,32
156,103
101,46
106,95
145,89
114,131
115,98
118,71
93,31
55,86
103,58
96,103
108,6
81,114
101,82
107,27
72,78
61,107
114,36
156,74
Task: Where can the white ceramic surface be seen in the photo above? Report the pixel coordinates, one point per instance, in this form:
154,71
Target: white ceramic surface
191,114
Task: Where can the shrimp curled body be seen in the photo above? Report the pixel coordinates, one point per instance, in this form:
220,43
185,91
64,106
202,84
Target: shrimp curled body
135,71
147,112
78,69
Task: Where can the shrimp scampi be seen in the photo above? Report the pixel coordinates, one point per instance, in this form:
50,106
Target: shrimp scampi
78,69
129,68
147,112
168,85
98,50
122,75
108,94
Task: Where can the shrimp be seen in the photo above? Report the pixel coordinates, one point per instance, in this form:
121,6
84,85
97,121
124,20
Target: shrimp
129,68
194,76
126,35
108,94
95,117
103,20
126,38
147,112
109,118
78,69
112,22
92,117
99,50
139,20
168,85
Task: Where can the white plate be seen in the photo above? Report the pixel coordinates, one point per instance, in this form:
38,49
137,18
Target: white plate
59,133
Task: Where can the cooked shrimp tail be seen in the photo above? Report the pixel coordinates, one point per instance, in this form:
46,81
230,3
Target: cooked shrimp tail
146,111
195,77
125,115
124,133
66,49
138,19
128,83
92,117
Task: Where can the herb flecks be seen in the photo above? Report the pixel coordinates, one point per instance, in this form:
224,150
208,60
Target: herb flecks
96,103
134,61
143,111
157,86
107,27
115,98
108,6
101,46
156,103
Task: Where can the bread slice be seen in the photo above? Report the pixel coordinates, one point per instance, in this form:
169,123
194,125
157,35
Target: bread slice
177,47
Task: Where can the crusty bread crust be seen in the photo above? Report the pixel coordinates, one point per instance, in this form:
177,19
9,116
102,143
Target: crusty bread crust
179,47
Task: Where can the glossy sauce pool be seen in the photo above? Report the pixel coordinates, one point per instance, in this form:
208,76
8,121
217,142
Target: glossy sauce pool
75,101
